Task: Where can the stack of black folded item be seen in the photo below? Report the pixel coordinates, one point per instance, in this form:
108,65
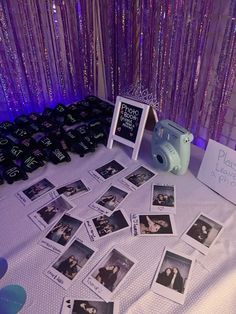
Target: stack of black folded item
34,139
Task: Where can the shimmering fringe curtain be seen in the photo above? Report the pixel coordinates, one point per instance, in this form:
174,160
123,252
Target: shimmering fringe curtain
46,54
182,51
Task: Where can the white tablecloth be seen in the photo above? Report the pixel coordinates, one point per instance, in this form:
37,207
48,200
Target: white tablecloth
213,284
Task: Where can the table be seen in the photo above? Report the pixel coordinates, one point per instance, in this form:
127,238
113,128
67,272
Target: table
213,284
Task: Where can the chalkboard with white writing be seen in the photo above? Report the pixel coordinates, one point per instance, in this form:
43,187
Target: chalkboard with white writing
128,121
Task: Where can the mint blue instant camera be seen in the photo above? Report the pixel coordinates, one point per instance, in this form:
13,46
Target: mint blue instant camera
171,147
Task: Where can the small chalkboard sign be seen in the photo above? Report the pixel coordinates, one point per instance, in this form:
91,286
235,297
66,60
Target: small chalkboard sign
128,123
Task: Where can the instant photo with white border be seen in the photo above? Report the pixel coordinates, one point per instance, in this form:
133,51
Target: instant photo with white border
110,273
163,198
73,305
50,212
110,200
173,275
138,177
103,226
108,170
35,191
73,189
65,269
62,233
155,225
202,233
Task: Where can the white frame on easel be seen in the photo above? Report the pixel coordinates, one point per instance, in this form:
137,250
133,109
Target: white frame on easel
112,136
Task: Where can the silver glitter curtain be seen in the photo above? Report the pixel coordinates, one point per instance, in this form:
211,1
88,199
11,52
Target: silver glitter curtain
179,55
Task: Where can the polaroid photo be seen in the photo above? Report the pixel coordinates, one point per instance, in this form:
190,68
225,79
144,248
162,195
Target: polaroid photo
61,234
110,200
173,275
163,198
50,212
107,171
33,192
73,189
103,226
109,274
67,266
202,233
153,224
138,177
80,306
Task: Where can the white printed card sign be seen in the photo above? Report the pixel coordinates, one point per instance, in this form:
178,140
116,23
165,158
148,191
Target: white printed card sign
218,170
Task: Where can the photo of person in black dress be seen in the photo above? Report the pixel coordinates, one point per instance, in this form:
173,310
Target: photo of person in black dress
68,267
199,231
48,212
72,270
107,276
177,282
64,265
165,277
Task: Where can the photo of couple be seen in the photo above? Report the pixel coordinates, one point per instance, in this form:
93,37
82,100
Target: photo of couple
112,198
140,176
174,272
70,262
155,224
171,278
63,231
53,209
163,196
112,271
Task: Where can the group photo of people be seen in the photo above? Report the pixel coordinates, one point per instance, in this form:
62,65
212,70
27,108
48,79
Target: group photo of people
73,259
153,224
163,196
73,188
38,189
109,169
63,231
105,225
112,270
54,209
112,198
204,230
139,176
174,272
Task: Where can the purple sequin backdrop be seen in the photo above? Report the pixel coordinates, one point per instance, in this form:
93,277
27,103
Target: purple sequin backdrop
46,54
181,51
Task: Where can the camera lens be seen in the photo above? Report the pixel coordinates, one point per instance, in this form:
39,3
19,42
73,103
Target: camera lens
160,159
